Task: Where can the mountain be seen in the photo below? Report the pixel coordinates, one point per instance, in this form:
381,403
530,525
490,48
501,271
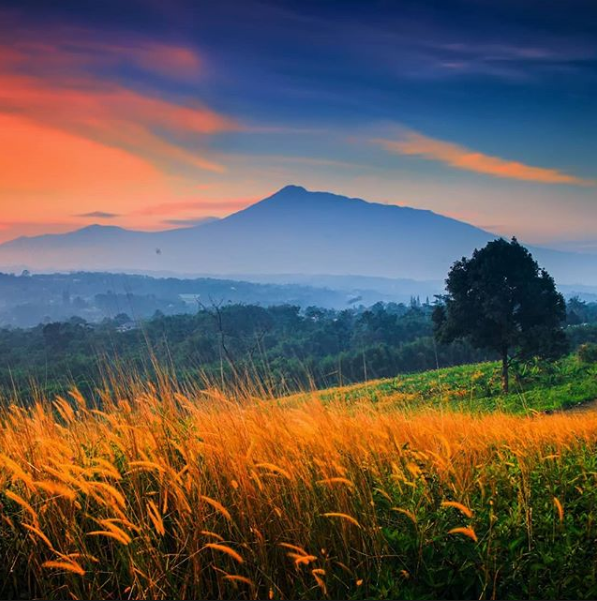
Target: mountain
294,231
90,236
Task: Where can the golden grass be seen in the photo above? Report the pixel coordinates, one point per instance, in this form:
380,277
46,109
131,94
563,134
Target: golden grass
163,495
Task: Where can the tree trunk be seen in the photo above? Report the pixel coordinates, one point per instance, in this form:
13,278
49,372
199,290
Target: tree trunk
505,378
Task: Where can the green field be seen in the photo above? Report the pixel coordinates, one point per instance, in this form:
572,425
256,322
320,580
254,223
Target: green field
535,387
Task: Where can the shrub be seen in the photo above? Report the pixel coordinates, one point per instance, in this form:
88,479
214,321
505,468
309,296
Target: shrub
587,353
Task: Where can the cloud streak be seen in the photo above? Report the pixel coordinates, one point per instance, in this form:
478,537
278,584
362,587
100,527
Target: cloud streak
99,215
79,50
457,156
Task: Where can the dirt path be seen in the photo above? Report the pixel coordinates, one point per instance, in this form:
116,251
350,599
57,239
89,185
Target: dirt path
587,407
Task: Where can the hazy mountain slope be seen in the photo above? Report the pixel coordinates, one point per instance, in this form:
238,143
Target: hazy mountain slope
291,232
295,231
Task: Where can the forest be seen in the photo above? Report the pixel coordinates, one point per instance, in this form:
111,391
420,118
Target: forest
282,347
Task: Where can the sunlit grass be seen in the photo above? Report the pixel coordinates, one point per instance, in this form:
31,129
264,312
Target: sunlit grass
197,494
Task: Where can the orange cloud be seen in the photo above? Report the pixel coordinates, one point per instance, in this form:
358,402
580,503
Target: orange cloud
37,161
460,157
76,135
52,179
59,79
113,115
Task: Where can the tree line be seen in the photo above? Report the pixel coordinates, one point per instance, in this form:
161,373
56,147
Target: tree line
284,347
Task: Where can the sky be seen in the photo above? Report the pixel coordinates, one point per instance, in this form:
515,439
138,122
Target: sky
155,114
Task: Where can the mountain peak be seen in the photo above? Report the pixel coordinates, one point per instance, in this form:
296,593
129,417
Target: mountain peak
291,192
294,195
291,189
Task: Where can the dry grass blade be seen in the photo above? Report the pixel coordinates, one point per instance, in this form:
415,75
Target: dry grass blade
226,550
559,508
342,516
462,508
467,531
120,536
67,566
217,506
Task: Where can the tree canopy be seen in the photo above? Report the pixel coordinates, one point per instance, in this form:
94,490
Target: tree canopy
501,300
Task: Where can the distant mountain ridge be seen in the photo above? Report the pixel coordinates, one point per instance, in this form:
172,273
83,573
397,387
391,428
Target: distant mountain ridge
294,231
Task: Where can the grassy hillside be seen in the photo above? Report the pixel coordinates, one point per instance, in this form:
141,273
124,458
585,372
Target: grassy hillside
393,489
538,387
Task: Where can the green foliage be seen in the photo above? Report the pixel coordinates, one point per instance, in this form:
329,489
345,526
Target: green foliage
537,386
523,551
500,299
280,347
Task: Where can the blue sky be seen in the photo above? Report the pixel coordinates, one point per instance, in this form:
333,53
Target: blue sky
481,110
